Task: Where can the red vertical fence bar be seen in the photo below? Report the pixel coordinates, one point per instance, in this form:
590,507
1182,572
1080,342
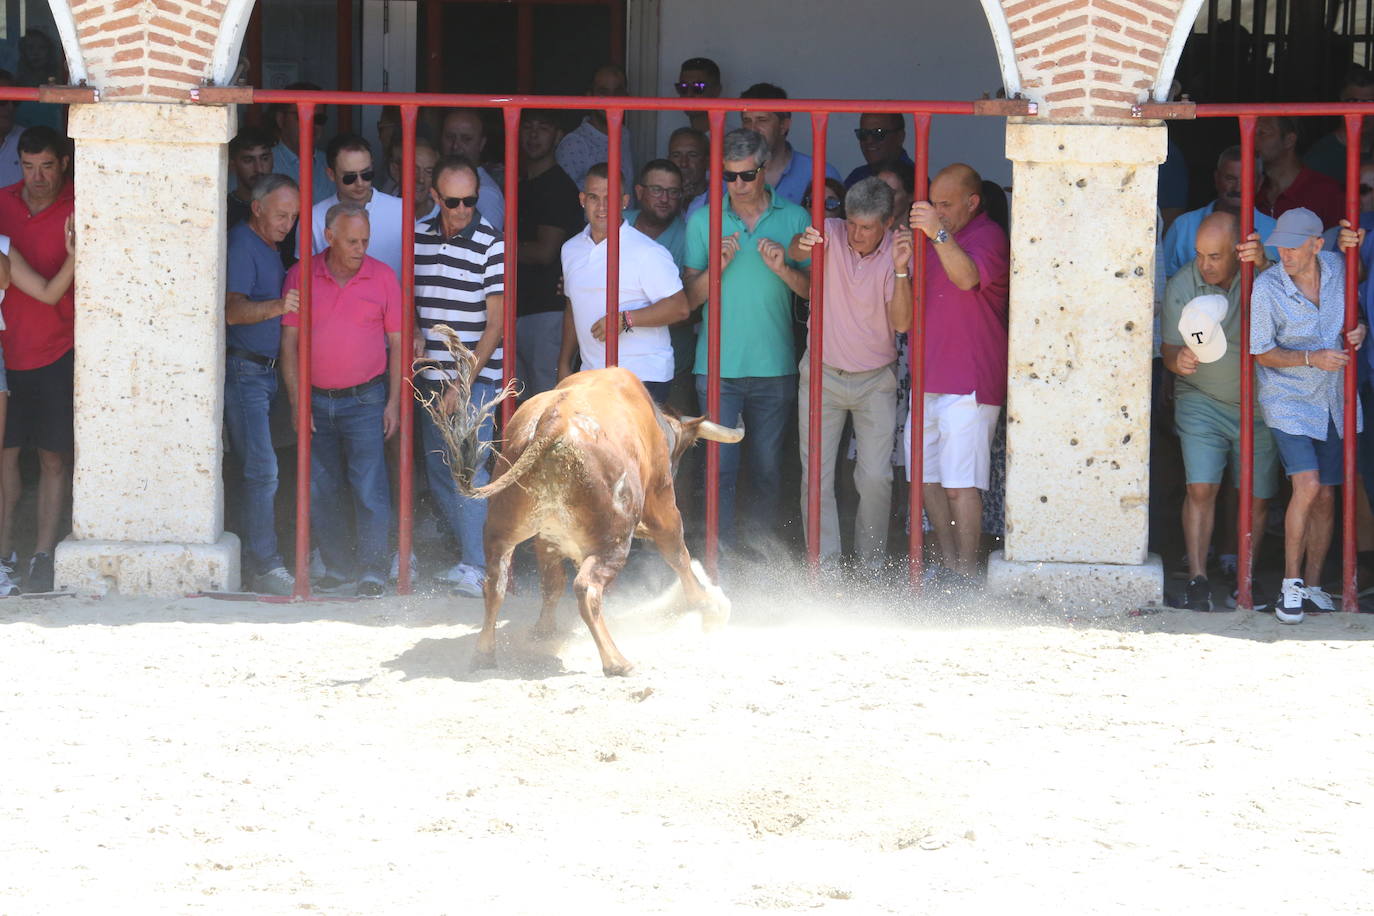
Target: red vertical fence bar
305,238
1350,598
615,117
916,360
405,509
815,389
1245,523
714,199
509,338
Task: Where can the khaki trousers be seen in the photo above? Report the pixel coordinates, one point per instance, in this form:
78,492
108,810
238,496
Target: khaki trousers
871,399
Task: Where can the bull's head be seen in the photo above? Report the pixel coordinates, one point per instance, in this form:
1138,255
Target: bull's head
683,432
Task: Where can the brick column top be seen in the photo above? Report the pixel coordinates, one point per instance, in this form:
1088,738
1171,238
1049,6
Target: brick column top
1090,60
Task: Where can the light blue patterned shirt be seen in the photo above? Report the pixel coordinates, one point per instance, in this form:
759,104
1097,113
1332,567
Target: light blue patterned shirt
1300,400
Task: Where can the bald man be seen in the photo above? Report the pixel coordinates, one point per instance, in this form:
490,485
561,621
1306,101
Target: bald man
966,362
463,134
1207,397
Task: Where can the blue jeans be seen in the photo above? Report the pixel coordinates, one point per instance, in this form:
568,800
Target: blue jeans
466,517
348,440
248,392
765,404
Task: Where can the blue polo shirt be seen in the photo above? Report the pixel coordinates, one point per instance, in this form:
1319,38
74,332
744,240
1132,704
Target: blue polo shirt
755,304
796,178
254,270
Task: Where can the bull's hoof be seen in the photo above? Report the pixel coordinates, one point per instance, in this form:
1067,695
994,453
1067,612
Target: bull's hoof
625,669
481,660
542,632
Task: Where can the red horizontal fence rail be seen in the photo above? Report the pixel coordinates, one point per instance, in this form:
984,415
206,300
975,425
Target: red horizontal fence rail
615,108
1247,115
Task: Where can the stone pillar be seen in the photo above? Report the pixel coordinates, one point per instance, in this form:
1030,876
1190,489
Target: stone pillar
148,514
1078,403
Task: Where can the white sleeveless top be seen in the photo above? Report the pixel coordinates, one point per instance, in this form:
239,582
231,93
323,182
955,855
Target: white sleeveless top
5,250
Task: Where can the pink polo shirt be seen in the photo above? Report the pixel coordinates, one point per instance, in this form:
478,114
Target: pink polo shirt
858,334
966,330
348,323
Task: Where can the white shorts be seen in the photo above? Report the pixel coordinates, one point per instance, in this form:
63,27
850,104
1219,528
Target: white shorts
958,441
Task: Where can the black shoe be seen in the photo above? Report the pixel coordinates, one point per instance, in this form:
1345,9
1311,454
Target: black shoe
39,578
370,588
328,584
1198,596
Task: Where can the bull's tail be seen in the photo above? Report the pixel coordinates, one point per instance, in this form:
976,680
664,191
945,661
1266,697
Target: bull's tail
459,419
528,458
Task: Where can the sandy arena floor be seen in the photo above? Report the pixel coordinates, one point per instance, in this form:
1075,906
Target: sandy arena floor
822,752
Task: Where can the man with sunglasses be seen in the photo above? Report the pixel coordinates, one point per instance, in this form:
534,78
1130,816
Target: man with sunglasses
459,282
286,158
758,364
787,171
1327,154
882,138
590,142
698,78
350,168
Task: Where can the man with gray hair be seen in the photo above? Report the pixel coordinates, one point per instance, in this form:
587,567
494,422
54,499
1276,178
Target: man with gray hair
1181,240
253,308
355,375
867,302
757,363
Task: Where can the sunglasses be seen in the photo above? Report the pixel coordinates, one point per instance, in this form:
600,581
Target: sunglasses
742,176
871,133
659,191
694,88
452,203
365,175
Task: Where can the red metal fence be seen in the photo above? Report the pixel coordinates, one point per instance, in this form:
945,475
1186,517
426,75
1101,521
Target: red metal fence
615,108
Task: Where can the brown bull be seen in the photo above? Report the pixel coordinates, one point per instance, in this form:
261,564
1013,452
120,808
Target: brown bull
585,468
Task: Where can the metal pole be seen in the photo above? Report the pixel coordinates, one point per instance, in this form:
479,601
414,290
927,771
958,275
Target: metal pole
305,116
614,118
405,512
1350,599
509,262
815,345
1245,521
713,271
916,360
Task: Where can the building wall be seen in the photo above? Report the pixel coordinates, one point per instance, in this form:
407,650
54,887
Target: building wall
858,49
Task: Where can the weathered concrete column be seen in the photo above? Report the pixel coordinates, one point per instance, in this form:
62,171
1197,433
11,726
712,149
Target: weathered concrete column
148,514
1078,404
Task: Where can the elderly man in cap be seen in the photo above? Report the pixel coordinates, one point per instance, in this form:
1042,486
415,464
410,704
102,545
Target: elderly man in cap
1297,335
1202,346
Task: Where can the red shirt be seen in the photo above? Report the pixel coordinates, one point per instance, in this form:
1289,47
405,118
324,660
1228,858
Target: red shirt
37,334
966,330
349,323
1311,189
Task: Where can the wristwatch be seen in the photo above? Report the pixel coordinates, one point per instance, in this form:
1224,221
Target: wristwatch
941,237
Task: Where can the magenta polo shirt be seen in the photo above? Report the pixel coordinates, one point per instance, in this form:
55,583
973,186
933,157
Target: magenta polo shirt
966,330
858,334
348,323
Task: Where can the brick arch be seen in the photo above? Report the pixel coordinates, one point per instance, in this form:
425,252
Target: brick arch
153,50
1089,60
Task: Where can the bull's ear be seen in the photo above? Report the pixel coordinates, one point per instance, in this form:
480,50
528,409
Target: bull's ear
717,433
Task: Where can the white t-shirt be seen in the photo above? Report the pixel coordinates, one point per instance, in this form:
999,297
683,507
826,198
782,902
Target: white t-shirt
647,275
384,227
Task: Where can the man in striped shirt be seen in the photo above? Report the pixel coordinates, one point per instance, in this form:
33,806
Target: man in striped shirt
459,282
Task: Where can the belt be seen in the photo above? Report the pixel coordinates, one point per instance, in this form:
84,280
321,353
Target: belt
349,391
268,361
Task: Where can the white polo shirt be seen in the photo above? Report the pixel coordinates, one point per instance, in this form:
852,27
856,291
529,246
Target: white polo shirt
647,275
385,236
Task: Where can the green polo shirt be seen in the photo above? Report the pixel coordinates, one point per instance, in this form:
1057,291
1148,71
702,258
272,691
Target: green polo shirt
755,304
1219,380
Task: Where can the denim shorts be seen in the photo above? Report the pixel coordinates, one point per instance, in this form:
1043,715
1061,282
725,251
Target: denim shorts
1302,453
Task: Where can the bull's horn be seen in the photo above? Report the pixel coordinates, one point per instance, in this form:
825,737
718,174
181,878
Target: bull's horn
717,433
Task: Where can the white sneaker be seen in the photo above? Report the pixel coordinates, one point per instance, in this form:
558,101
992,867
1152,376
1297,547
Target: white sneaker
7,587
451,576
1288,609
317,570
1321,598
395,573
275,582
469,585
